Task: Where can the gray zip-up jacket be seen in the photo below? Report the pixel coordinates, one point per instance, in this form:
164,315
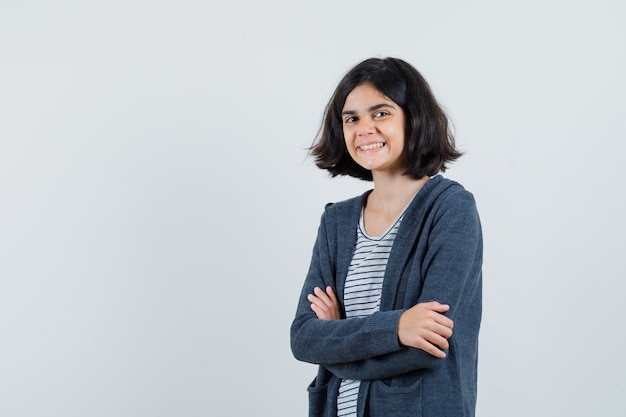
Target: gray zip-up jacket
436,255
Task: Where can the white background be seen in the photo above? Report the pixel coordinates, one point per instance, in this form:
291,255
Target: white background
158,211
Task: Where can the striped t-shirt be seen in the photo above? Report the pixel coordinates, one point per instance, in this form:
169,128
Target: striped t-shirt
361,297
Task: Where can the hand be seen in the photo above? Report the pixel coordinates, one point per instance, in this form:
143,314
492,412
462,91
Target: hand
325,304
424,326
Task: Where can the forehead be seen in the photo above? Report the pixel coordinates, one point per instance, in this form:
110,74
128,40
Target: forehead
365,95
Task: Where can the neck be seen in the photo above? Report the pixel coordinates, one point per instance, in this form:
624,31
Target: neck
393,192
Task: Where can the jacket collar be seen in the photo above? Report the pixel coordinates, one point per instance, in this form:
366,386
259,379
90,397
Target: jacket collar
404,243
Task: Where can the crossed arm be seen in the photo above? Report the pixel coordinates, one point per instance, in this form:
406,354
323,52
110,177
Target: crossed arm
422,326
391,342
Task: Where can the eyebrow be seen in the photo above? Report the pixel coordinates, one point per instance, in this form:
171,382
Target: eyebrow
373,108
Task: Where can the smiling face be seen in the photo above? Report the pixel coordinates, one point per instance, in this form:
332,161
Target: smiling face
373,128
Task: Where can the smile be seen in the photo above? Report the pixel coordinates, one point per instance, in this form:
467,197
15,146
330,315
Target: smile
371,146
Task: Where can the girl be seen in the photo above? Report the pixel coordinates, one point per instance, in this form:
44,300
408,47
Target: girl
391,305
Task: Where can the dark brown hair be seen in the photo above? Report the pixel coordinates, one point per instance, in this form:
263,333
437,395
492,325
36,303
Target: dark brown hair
428,145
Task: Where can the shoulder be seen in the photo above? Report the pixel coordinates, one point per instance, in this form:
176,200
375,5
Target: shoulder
346,207
442,197
340,217
455,209
444,191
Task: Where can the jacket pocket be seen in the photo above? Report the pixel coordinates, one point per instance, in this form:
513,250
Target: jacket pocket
318,398
400,397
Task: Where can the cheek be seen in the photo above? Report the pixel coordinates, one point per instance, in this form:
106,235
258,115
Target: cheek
349,145
346,137
349,148
399,133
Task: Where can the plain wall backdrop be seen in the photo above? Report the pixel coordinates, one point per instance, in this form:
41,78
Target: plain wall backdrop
158,210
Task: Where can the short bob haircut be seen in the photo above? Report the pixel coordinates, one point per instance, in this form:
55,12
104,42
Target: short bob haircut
428,144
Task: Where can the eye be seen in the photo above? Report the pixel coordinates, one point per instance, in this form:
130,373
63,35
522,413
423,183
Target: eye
350,119
380,114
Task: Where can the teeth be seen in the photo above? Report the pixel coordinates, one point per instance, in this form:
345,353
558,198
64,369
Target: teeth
371,146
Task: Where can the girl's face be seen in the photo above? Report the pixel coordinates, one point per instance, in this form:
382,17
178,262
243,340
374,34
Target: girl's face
373,128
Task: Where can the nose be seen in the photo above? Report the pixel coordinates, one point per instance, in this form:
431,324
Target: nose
366,127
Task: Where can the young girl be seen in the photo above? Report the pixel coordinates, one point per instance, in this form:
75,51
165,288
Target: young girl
391,306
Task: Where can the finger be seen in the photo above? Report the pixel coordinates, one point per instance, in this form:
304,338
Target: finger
443,331
312,298
435,317
331,294
444,321
431,349
315,301
320,313
439,342
436,306
322,296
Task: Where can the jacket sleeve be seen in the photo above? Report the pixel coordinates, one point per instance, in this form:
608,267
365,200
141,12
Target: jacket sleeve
337,341
452,267
451,274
